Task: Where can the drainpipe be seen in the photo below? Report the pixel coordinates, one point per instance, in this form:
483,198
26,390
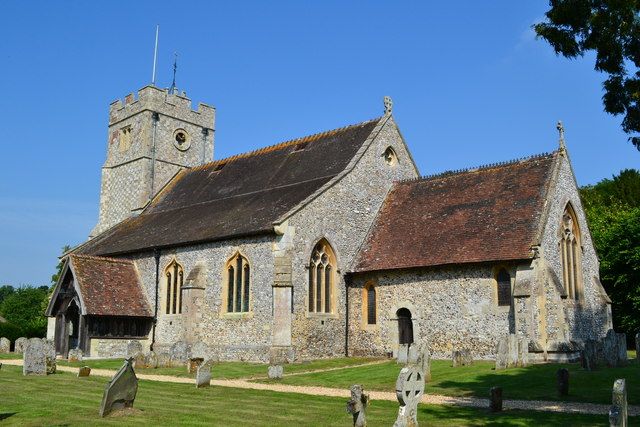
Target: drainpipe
155,118
347,279
156,255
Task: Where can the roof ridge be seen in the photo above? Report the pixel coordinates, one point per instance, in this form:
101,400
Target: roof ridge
478,168
284,144
103,258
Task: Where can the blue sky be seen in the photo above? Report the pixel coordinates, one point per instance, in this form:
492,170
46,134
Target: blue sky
470,85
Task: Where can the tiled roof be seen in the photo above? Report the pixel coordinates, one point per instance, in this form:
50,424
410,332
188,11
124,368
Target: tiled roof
238,196
109,287
485,214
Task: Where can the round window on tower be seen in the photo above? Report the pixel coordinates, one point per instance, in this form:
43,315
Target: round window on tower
181,139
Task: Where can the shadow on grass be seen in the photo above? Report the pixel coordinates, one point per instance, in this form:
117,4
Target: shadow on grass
5,415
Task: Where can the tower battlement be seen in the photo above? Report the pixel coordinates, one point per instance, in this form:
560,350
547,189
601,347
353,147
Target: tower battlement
151,98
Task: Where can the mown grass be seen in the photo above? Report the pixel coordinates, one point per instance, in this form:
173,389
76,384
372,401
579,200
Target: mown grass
63,399
228,370
5,356
536,382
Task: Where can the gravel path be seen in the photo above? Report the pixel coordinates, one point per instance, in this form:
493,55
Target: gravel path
433,399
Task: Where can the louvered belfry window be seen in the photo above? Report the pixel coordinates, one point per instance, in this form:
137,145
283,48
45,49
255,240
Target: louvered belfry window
504,287
321,278
174,278
238,284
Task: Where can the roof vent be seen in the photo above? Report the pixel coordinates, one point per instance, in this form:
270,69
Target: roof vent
301,146
219,167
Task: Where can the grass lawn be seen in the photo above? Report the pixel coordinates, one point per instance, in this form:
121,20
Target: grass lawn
536,382
228,370
4,356
63,399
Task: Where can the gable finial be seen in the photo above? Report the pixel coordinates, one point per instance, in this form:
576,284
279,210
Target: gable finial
560,128
388,105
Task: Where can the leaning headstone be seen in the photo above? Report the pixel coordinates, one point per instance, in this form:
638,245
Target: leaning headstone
589,355
193,364
495,402
50,355
203,374
34,358
121,391
151,360
139,361
461,358
403,354
200,350
357,406
18,346
409,391
562,378
618,411
275,372
5,345
179,353
85,371
164,360
133,347
75,355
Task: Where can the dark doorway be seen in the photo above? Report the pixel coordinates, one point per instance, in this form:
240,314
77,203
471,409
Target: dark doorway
73,326
405,326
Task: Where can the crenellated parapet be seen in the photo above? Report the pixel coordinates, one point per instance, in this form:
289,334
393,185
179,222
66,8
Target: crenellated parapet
152,98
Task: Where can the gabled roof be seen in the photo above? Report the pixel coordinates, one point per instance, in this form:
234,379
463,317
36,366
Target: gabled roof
109,287
486,214
238,196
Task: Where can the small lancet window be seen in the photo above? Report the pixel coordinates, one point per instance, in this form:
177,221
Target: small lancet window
174,278
371,304
321,278
571,254
390,156
503,280
238,284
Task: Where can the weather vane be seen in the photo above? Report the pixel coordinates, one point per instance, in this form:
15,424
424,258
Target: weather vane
172,89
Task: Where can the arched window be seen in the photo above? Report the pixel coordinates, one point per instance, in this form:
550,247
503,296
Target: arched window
503,280
238,284
322,267
371,303
571,254
174,277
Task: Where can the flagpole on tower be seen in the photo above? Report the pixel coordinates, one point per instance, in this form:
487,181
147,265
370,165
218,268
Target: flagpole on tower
155,57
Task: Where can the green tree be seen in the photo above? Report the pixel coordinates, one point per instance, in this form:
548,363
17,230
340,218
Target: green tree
23,308
611,29
5,291
56,276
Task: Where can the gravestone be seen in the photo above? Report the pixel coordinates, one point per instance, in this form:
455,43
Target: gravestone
618,411
200,350
34,358
151,360
403,354
637,346
139,360
357,406
275,372
164,360
461,358
203,374
75,355
614,349
409,391
133,347
562,378
523,352
179,353
495,401
502,353
120,391
5,345
18,346
511,351
50,355
85,371
419,356
589,355
193,364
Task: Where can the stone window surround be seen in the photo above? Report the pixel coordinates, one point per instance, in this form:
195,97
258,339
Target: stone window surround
575,296
365,305
335,276
224,298
163,292
494,284
390,157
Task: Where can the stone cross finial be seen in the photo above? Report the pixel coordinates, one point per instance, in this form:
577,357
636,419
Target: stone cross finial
388,105
560,128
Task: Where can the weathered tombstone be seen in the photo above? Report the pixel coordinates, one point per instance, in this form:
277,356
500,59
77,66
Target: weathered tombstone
523,352
203,374
34,359
589,355
151,360
275,372
614,349
403,354
502,353
193,364
133,347
85,371
200,350
422,360
75,355
18,346
461,358
139,361
562,378
495,402
618,411
179,353
638,346
357,406
120,391
622,350
164,360
5,345
50,355
409,391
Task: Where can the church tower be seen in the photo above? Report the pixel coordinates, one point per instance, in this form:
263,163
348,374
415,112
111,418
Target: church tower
150,139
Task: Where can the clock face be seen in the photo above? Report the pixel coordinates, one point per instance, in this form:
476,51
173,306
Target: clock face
181,139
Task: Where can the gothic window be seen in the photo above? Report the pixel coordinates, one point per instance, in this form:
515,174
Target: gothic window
571,254
125,139
174,278
322,268
370,291
503,280
238,284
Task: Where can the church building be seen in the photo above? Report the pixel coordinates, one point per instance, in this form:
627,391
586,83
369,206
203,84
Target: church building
322,246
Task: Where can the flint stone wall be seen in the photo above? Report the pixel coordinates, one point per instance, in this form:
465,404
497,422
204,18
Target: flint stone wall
114,348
